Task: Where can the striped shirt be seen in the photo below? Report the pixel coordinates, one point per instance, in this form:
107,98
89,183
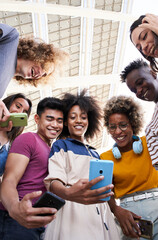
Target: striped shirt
151,132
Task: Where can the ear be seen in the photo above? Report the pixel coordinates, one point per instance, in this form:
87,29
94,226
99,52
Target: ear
154,74
65,123
36,118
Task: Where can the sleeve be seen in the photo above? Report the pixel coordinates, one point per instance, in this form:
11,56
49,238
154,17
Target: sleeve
57,166
7,33
23,144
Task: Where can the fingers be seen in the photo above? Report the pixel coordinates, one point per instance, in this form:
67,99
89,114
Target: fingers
4,113
8,128
135,216
131,229
43,211
30,196
94,181
38,221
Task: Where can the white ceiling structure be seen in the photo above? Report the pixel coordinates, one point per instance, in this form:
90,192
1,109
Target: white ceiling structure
93,32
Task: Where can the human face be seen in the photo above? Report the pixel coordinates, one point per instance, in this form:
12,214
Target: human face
49,124
123,139
29,69
77,122
145,41
19,105
143,83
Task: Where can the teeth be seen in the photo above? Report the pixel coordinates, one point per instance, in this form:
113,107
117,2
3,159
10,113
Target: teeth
120,138
78,127
145,93
52,131
152,49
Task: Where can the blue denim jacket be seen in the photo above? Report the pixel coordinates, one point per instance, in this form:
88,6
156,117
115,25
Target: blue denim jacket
3,158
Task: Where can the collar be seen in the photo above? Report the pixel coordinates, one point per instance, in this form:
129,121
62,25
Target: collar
80,143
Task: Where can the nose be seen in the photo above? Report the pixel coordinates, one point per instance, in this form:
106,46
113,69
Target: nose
139,92
144,47
118,130
54,124
78,119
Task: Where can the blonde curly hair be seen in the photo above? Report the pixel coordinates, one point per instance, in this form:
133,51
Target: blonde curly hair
51,59
129,107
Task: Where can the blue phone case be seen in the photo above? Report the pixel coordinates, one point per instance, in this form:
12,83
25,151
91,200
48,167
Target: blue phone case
98,168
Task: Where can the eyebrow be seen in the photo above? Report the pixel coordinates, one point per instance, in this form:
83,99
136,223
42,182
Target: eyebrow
84,112
139,37
20,103
49,116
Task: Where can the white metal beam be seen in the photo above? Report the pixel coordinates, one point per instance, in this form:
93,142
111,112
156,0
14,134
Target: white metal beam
48,8
66,82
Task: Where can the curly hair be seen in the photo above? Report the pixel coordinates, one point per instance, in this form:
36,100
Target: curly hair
129,107
87,103
40,52
136,64
152,60
16,131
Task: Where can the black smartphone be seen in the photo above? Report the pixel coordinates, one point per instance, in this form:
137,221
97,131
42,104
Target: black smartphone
51,200
146,228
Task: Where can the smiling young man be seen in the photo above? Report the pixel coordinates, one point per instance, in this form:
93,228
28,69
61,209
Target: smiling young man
26,167
143,81
27,60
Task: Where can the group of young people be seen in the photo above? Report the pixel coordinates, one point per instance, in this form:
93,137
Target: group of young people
33,166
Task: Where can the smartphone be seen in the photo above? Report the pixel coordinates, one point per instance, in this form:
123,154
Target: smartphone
18,120
51,200
99,168
146,228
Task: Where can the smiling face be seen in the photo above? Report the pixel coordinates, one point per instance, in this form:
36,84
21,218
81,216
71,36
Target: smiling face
31,70
123,138
19,105
50,124
143,83
77,123
145,41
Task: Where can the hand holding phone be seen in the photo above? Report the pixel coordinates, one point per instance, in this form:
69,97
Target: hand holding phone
51,200
99,168
18,120
146,228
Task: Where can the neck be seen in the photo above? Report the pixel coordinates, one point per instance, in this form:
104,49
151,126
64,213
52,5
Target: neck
126,148
46,140
80,138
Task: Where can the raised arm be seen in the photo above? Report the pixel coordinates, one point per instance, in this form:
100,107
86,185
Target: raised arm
81,192
4,115
22,211
150,21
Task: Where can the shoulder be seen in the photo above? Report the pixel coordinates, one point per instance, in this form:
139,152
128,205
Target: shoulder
8,31
24,138
57,146
143,139
61,143
107,155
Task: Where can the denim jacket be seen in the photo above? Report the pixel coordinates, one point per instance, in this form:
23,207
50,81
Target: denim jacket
3,157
